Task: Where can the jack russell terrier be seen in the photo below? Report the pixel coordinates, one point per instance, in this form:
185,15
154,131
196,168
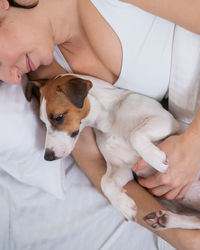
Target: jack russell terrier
127,125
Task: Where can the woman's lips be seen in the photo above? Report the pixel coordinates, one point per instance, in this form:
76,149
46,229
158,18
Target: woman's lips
30,65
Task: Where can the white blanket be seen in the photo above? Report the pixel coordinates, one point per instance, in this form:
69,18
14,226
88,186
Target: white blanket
22,138
32,219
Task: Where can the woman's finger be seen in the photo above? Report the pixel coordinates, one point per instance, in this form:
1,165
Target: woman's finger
160,190
182,192
140,164
171,195
151,182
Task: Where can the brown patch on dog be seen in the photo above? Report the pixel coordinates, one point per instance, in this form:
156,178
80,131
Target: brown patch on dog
76,90
33,89
64,95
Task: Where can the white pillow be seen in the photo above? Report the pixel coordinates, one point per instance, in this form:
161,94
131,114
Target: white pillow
22,138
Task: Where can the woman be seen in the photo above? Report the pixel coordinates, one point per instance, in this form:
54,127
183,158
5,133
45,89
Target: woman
95,45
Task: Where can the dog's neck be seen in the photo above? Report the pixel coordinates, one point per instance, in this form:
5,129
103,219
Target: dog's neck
98,116
103,98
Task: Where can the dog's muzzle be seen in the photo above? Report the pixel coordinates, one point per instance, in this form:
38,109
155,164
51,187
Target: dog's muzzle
49,155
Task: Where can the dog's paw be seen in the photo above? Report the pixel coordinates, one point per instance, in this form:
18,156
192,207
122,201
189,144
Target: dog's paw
159,161
125,205
157,220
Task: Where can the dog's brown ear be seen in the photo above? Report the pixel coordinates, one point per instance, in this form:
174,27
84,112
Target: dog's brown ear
76,90
33,89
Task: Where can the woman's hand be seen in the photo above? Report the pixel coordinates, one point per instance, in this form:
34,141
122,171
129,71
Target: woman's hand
184,164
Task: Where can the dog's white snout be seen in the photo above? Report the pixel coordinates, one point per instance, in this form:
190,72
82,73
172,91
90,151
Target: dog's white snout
58,144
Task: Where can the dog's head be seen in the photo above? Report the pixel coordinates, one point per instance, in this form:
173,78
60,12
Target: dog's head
63,105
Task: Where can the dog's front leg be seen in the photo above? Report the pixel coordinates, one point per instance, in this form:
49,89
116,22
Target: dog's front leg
153,130
112,185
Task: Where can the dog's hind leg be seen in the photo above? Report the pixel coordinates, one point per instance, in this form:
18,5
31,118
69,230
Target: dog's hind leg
165,219
153,130
112,185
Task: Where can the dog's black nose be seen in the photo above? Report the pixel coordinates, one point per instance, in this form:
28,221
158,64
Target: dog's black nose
49,155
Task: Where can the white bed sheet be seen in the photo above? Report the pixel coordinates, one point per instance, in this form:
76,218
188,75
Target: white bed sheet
22,138
32,219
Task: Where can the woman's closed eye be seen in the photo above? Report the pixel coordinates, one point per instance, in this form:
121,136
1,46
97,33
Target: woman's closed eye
23,4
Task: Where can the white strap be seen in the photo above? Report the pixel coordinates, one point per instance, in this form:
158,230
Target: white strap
58,56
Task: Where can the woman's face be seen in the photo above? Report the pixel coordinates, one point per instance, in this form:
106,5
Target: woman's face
26,42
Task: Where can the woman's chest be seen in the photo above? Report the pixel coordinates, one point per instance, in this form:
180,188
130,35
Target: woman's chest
85,61
98,49
102,39
133,44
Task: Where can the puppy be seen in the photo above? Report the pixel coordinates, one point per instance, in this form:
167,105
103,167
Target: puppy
127,125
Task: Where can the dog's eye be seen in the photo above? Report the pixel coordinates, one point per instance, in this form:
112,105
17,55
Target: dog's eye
74,134
57,119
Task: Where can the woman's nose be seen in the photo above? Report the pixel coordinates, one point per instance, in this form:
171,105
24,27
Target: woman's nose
10,75
15,75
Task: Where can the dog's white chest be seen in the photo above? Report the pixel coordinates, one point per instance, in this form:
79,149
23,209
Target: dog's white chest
116,149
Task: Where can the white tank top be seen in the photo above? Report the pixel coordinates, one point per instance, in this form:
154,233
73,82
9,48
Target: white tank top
146,42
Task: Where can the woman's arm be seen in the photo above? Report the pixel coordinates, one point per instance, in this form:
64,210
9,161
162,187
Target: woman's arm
182,12
93,164
184,164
